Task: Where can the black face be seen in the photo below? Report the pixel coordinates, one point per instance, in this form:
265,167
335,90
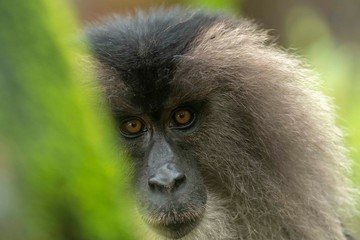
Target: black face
170,191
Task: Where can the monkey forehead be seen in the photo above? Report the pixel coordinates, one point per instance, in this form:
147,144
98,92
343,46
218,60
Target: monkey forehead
143,51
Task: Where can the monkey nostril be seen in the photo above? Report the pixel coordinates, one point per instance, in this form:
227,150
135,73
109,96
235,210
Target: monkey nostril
161,186
179,181
166,181
152,185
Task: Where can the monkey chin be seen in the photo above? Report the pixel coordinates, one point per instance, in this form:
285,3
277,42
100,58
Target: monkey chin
175,230
175,226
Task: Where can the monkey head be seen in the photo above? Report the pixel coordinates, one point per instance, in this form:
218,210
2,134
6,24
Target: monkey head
228,137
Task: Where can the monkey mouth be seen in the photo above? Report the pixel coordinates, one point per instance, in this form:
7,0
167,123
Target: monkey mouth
175,230
173,224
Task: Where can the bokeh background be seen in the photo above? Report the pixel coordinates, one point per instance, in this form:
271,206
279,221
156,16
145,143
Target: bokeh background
60,174
325,33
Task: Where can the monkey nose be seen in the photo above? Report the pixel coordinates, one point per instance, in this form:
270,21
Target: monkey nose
167,178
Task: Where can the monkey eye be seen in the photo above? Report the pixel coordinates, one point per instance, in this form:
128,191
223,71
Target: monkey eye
182,118
132,127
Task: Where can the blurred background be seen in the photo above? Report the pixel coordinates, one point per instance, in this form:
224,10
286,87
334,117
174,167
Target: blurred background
53,171
326,33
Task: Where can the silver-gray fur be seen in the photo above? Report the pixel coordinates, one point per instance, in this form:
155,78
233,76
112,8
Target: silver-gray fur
272,158
295,188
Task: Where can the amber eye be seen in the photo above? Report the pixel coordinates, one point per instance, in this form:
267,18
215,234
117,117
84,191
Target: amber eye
182,118
132,127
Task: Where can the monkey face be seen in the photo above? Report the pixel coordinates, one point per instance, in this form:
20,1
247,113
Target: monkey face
226,135
170,191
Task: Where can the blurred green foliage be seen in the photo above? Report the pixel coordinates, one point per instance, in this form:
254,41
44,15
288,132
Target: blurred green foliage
59,175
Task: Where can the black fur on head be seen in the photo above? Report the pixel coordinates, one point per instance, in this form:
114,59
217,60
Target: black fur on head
261,157
145,50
